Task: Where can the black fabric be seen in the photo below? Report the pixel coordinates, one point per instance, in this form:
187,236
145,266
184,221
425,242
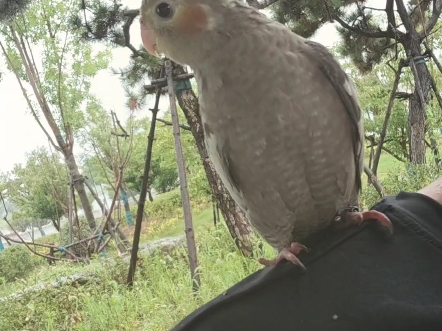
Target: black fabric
358,278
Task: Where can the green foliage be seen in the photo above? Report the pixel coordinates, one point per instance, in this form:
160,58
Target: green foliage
367,36
105,151
403,177
38,188
17,262
161,296
167,205
164,174
364,51
303,17
64,63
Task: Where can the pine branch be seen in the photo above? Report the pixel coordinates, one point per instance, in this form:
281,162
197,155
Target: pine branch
131,14
10,8
261,4
369,34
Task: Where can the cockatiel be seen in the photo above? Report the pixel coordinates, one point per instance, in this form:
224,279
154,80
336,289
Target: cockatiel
281,119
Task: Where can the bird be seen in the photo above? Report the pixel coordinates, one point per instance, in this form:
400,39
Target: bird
282,121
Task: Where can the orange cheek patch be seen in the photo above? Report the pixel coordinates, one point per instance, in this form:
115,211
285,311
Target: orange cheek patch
192,19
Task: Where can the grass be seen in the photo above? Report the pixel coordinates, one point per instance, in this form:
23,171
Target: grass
201,221
161,295
160,298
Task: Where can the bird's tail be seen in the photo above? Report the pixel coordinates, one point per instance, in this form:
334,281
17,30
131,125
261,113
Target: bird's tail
10,8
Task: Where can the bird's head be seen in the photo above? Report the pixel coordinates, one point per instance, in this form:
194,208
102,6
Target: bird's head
183,30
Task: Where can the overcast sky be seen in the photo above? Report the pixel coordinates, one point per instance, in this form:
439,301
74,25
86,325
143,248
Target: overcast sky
19,133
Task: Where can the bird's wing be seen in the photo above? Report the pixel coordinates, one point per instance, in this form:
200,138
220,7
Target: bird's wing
346,91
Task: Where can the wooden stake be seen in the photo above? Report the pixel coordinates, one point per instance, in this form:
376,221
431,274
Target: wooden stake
193,259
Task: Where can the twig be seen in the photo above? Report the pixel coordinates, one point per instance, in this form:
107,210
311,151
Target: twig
114,117
435,59
385,149
374,180
386,119
5,218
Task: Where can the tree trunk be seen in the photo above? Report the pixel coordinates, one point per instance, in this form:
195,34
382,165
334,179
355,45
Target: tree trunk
236,221
112,224
422,86
78,181
42,232
416,120
135,199
65,145
125,198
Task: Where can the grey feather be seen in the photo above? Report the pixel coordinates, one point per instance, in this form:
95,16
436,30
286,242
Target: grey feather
347,92
282,121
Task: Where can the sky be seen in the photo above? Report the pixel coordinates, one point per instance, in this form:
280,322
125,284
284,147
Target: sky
19,133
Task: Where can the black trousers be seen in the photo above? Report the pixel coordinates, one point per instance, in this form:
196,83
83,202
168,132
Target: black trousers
357,279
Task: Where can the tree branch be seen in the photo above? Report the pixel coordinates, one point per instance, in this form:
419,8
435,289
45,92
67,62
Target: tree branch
374,180
261,4
131,14
403,14
182,126
28,101
379,34
437,9
386,120
431,53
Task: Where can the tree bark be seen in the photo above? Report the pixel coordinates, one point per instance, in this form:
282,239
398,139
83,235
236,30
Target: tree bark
417,112
78,181
411,42
236,221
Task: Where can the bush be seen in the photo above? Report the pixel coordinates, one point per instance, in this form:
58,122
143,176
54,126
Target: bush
17,262
408,178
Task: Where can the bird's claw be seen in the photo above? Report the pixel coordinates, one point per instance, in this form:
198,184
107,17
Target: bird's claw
358,217
288,253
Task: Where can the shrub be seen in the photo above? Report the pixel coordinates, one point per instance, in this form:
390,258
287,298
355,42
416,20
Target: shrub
410,178
17,262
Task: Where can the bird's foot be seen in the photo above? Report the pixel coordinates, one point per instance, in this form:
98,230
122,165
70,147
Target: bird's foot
288,253
356,218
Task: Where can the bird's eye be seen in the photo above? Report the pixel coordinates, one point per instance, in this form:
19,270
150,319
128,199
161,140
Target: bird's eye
164,10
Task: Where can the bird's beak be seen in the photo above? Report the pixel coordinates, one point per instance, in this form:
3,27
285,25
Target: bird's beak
149,39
